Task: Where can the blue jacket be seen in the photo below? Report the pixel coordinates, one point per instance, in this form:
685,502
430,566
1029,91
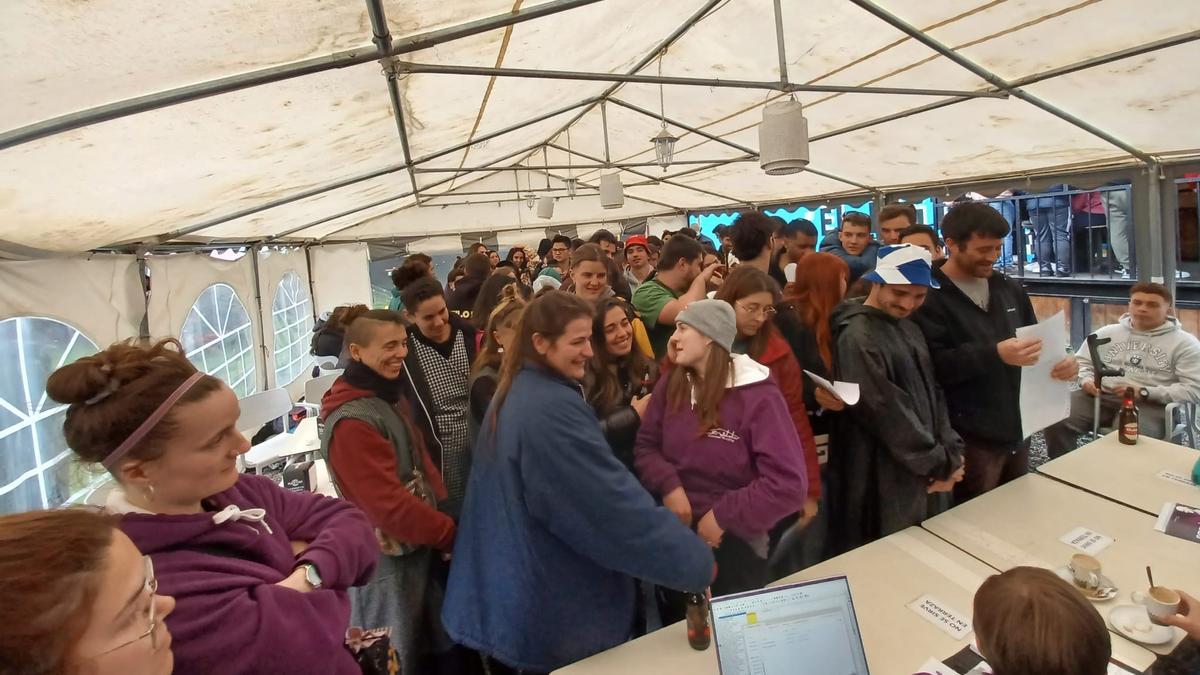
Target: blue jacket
553,532
859,264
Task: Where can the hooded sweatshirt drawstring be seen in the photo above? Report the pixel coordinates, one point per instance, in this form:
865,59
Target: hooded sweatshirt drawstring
233,513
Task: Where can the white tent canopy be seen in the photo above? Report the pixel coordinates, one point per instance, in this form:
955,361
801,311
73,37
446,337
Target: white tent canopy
138,122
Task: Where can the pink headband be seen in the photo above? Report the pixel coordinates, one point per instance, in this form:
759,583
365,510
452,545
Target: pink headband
150,422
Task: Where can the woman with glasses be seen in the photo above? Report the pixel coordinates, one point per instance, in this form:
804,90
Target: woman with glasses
78,598
259,573
719,447
753,294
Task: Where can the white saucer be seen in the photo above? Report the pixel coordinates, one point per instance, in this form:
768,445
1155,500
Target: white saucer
1127,619
1107,591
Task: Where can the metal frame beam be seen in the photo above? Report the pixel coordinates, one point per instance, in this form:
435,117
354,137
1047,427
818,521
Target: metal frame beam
995,80
586,167
381,35
407,67
224,85
781,44
692,20
732,200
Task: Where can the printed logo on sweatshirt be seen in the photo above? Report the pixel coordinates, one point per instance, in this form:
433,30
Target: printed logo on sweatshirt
1139,355
724,435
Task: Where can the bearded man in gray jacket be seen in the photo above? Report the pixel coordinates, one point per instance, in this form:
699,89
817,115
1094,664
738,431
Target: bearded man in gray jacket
1161,363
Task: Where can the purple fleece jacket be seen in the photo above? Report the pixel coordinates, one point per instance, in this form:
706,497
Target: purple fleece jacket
749,471
229,616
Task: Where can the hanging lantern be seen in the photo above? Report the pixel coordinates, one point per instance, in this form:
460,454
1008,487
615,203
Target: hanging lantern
664,147
530,200
572,185
612,193
783,138
545,208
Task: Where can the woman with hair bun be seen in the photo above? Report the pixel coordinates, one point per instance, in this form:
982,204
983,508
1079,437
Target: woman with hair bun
95,611
259,574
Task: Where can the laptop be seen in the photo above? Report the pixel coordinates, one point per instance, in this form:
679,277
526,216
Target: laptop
799,629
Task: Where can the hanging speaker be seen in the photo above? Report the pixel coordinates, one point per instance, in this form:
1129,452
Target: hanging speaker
612,193
545,208
783,138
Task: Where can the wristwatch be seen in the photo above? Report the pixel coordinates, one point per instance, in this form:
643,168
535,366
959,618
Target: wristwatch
311,575
1144,394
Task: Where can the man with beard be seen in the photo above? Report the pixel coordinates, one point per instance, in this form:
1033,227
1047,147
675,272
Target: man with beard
679,280
970,326
893,456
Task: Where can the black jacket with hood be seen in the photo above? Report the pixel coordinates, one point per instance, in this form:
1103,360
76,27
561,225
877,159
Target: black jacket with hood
888,447
982,391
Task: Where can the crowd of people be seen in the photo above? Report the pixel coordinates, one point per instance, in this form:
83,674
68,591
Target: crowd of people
540,460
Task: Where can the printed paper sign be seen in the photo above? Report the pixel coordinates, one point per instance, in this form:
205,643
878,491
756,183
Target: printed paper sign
1086,540
936,612
1176,477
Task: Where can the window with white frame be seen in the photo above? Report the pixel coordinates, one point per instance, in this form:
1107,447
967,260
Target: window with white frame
37,470
219,338
291,317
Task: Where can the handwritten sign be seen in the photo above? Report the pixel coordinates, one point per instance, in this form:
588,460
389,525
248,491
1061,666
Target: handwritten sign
936,612
1086,540
1174,477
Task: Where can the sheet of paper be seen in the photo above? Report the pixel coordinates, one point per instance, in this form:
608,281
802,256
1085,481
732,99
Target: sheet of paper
953,622
1179,520
789,272
1175,477
846,391
1044,400
1086,540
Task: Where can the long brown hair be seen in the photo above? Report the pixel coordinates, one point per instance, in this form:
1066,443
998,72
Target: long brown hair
1027,620
815,292
111,393
710,389
508,310
745,281
548,316
605,390
52,563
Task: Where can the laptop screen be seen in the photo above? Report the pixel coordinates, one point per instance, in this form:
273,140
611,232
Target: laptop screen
799,629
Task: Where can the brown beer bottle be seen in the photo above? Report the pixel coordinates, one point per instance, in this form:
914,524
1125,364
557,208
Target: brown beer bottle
1127,421
699,631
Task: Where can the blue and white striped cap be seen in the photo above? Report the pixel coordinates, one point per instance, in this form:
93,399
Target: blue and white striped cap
903,264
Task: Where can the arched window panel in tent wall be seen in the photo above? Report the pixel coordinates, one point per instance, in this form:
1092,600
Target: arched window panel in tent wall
218,338
292,321
37,470
210,305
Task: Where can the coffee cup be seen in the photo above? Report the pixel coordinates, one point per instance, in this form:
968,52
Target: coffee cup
1160,602
1085,570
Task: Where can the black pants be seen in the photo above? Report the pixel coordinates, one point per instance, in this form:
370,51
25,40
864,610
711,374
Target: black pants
739,569
494,667
988,469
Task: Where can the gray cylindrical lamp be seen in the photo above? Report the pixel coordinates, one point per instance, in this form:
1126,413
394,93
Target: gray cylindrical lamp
545,208
783,138
612,193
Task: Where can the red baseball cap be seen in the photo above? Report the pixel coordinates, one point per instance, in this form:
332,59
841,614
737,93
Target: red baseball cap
637,240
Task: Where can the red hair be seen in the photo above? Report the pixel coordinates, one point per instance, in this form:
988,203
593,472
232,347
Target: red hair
815,292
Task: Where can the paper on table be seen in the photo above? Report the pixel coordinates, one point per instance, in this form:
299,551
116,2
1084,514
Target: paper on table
1044,400
847,392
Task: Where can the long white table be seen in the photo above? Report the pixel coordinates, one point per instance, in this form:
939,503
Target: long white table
885,576
1020,524
1130,474
304,438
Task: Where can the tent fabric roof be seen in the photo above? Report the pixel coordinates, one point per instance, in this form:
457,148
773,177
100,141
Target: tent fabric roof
255,162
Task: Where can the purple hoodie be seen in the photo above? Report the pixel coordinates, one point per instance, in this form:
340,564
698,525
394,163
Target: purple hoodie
749,471
229,616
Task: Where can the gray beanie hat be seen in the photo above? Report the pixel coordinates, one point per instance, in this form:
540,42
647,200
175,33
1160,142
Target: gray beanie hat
713,318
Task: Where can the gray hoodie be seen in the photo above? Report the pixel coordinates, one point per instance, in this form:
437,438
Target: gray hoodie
1164,360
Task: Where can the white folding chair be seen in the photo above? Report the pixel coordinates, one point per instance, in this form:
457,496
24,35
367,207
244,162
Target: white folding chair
257,410
314,390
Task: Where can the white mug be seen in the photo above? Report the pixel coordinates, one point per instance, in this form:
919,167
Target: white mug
1160,602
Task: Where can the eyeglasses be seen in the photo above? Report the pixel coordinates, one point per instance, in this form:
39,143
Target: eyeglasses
150,589
765,310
